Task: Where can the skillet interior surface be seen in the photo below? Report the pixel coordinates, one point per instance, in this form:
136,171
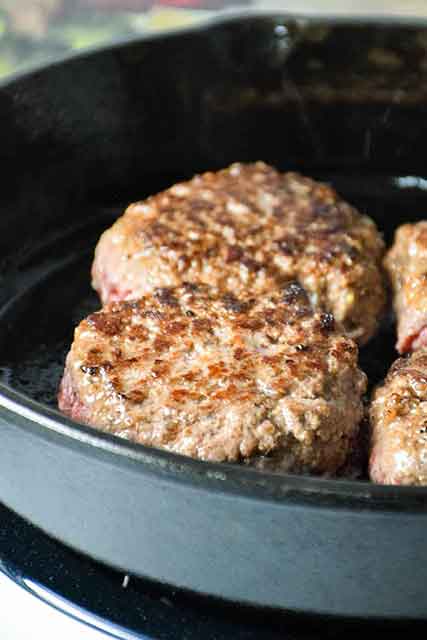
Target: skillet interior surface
344,103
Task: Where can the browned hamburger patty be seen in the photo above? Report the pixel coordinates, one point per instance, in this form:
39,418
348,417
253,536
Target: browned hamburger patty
406,263
219,378
399,424
248,229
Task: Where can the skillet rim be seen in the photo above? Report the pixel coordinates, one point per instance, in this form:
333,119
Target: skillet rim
328,492
270,486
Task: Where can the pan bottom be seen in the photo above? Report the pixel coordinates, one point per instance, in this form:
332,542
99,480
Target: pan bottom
38,328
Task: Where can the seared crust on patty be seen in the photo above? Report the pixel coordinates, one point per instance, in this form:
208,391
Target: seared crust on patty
406,263
248,229
399,424
219,378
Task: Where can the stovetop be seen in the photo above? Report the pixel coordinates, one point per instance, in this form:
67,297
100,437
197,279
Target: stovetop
127,607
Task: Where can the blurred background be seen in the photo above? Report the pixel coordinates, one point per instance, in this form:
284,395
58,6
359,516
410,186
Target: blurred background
36,31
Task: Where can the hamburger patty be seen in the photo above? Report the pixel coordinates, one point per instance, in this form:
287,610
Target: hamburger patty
399,424
220,378
248,229
406,263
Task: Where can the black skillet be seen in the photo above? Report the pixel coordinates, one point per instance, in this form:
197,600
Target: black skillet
345,102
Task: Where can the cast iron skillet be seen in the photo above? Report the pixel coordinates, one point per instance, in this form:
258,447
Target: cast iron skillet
340,101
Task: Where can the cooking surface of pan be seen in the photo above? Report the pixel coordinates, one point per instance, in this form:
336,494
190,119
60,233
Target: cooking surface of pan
344,103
